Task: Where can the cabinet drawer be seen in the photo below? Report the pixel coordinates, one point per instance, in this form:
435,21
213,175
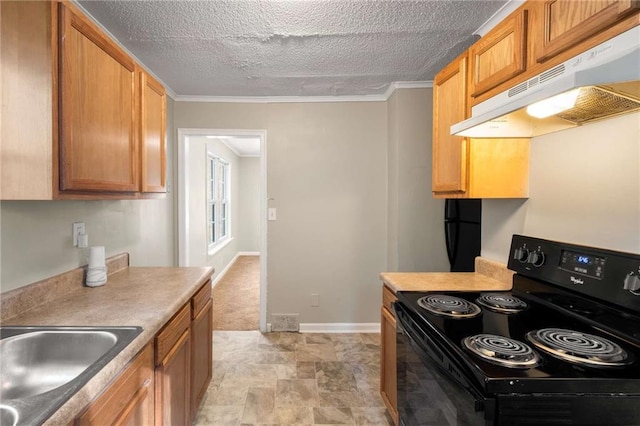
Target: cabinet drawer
171,332
388,297
200,299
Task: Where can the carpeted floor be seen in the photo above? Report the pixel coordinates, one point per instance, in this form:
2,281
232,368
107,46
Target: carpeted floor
236,297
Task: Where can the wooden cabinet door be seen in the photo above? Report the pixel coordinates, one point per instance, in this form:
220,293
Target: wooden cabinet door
500,55
568,22
98,128
27,99
172,385
129,400
152,137
388,371
449,172
201,356
173,370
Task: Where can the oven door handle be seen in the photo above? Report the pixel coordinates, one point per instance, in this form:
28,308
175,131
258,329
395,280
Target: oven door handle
426,346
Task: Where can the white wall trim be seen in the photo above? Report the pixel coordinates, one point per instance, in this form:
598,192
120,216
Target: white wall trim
340,327
497,17
248,253
183,197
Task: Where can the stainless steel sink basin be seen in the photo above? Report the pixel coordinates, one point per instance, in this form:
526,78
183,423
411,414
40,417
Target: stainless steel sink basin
42,367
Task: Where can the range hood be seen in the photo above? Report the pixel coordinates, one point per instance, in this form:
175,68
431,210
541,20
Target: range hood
601,82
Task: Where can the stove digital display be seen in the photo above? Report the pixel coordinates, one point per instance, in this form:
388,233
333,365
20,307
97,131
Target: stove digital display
591,266
583,259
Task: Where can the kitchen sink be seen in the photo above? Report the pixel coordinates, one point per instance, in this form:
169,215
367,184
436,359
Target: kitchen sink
42,367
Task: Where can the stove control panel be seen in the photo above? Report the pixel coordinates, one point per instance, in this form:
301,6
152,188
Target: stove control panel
604,274
581,263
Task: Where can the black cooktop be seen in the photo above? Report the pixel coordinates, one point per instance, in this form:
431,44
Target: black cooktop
544,307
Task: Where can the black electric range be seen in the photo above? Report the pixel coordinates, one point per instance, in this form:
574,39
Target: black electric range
562,347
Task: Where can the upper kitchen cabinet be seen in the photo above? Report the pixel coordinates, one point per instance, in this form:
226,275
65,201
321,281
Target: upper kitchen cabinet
565,23
449,171
500,55
540,35
152,134
471,168
28,94
98,140
80,119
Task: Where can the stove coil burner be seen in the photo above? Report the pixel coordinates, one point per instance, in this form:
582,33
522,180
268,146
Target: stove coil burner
501,302
579,348
449,306
502,351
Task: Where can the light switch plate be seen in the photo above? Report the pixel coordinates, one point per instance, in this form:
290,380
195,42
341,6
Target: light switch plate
78,228
271,213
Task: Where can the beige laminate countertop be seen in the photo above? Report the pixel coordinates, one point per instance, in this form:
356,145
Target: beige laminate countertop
490,275
135,296
442,281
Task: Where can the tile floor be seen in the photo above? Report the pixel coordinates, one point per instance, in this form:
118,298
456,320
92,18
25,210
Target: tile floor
294,378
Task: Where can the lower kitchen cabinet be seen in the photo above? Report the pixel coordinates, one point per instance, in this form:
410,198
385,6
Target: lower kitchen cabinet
173,370
201,346
129,400
166,382
388,373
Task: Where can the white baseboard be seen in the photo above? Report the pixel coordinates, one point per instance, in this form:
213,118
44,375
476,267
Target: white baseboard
340,327
226,268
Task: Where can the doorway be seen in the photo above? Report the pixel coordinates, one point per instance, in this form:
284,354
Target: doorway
198,241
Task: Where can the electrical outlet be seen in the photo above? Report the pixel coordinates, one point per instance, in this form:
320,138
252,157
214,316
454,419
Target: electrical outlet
285,322
315,299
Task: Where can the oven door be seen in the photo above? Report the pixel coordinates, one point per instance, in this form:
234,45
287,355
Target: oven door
432,388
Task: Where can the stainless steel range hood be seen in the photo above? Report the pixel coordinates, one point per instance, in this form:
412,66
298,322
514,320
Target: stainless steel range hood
601,82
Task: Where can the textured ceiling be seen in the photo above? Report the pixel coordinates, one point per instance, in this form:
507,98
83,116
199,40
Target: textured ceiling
292,47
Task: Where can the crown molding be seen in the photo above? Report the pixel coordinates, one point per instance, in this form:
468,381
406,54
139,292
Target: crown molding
280,99
308,99
396,85
497,17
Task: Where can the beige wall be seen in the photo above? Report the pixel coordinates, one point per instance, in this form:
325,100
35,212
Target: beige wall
327,177
584,189
416,219
392,183
35,240
249,205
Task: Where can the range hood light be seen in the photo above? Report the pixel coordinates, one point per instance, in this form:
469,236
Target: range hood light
551,106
